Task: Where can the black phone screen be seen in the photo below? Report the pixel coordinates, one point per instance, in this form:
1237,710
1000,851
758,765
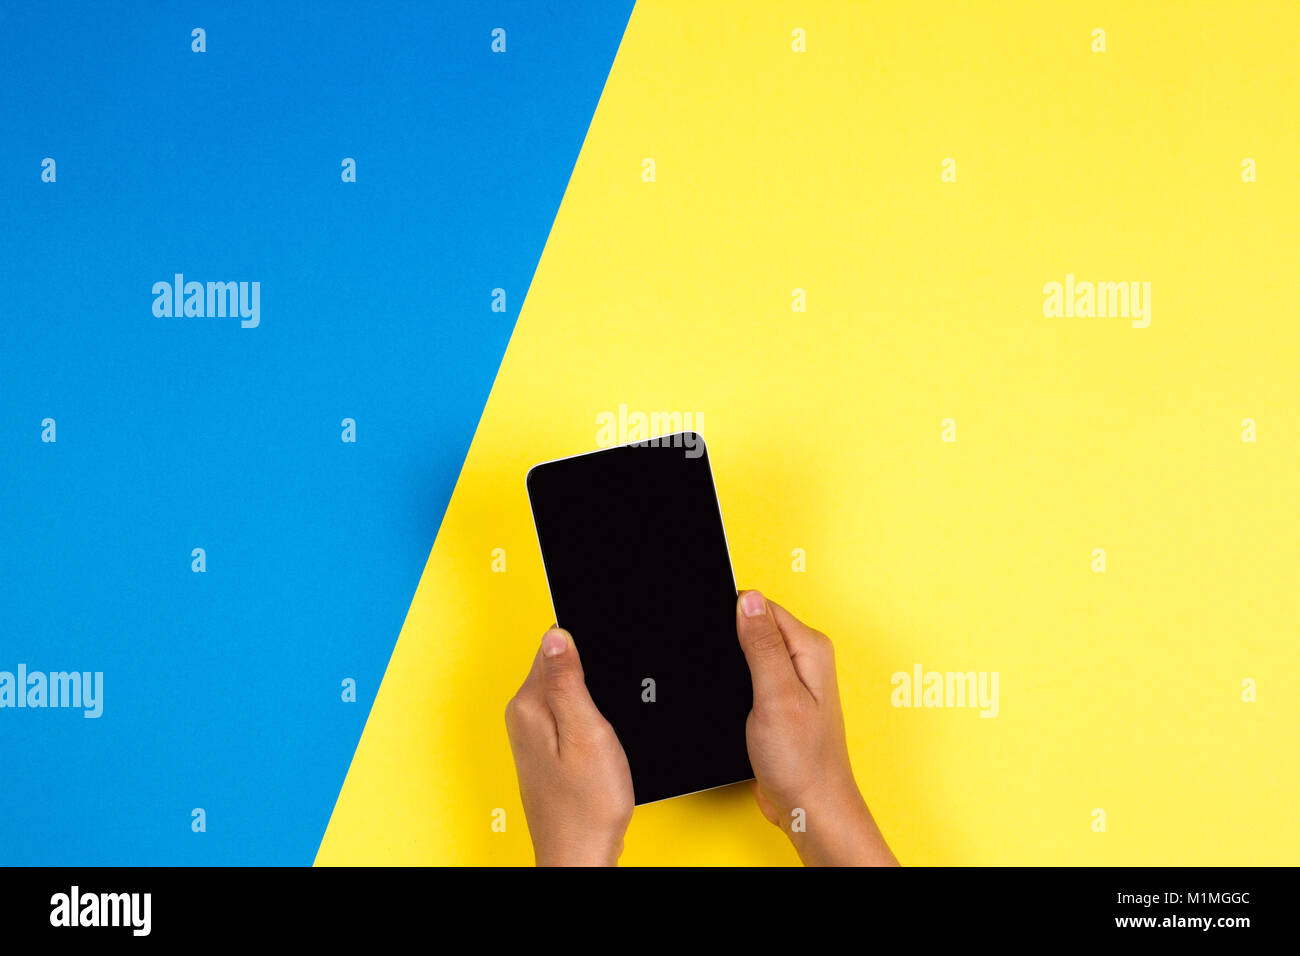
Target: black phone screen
636,558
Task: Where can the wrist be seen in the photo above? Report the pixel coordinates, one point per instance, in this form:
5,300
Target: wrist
838,829
597,852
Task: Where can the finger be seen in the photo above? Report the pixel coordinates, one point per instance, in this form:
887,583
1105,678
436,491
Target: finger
528,712
564,684
534,679
531,689
810,651
765,649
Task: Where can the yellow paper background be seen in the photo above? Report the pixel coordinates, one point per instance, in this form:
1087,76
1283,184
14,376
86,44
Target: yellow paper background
821,171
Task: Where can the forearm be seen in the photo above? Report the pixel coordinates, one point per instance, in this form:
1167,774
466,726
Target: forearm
838,830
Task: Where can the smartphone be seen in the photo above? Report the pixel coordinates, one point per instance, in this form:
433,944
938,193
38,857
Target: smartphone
637,563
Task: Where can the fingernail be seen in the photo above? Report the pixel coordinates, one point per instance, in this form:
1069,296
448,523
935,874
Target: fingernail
752,604
553,644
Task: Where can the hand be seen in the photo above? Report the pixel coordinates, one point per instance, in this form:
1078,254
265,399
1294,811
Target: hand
803,780
573,775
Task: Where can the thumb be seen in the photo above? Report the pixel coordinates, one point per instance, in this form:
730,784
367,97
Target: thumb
564,684
765,649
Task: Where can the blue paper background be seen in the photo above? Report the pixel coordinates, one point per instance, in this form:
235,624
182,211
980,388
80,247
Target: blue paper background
222,689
